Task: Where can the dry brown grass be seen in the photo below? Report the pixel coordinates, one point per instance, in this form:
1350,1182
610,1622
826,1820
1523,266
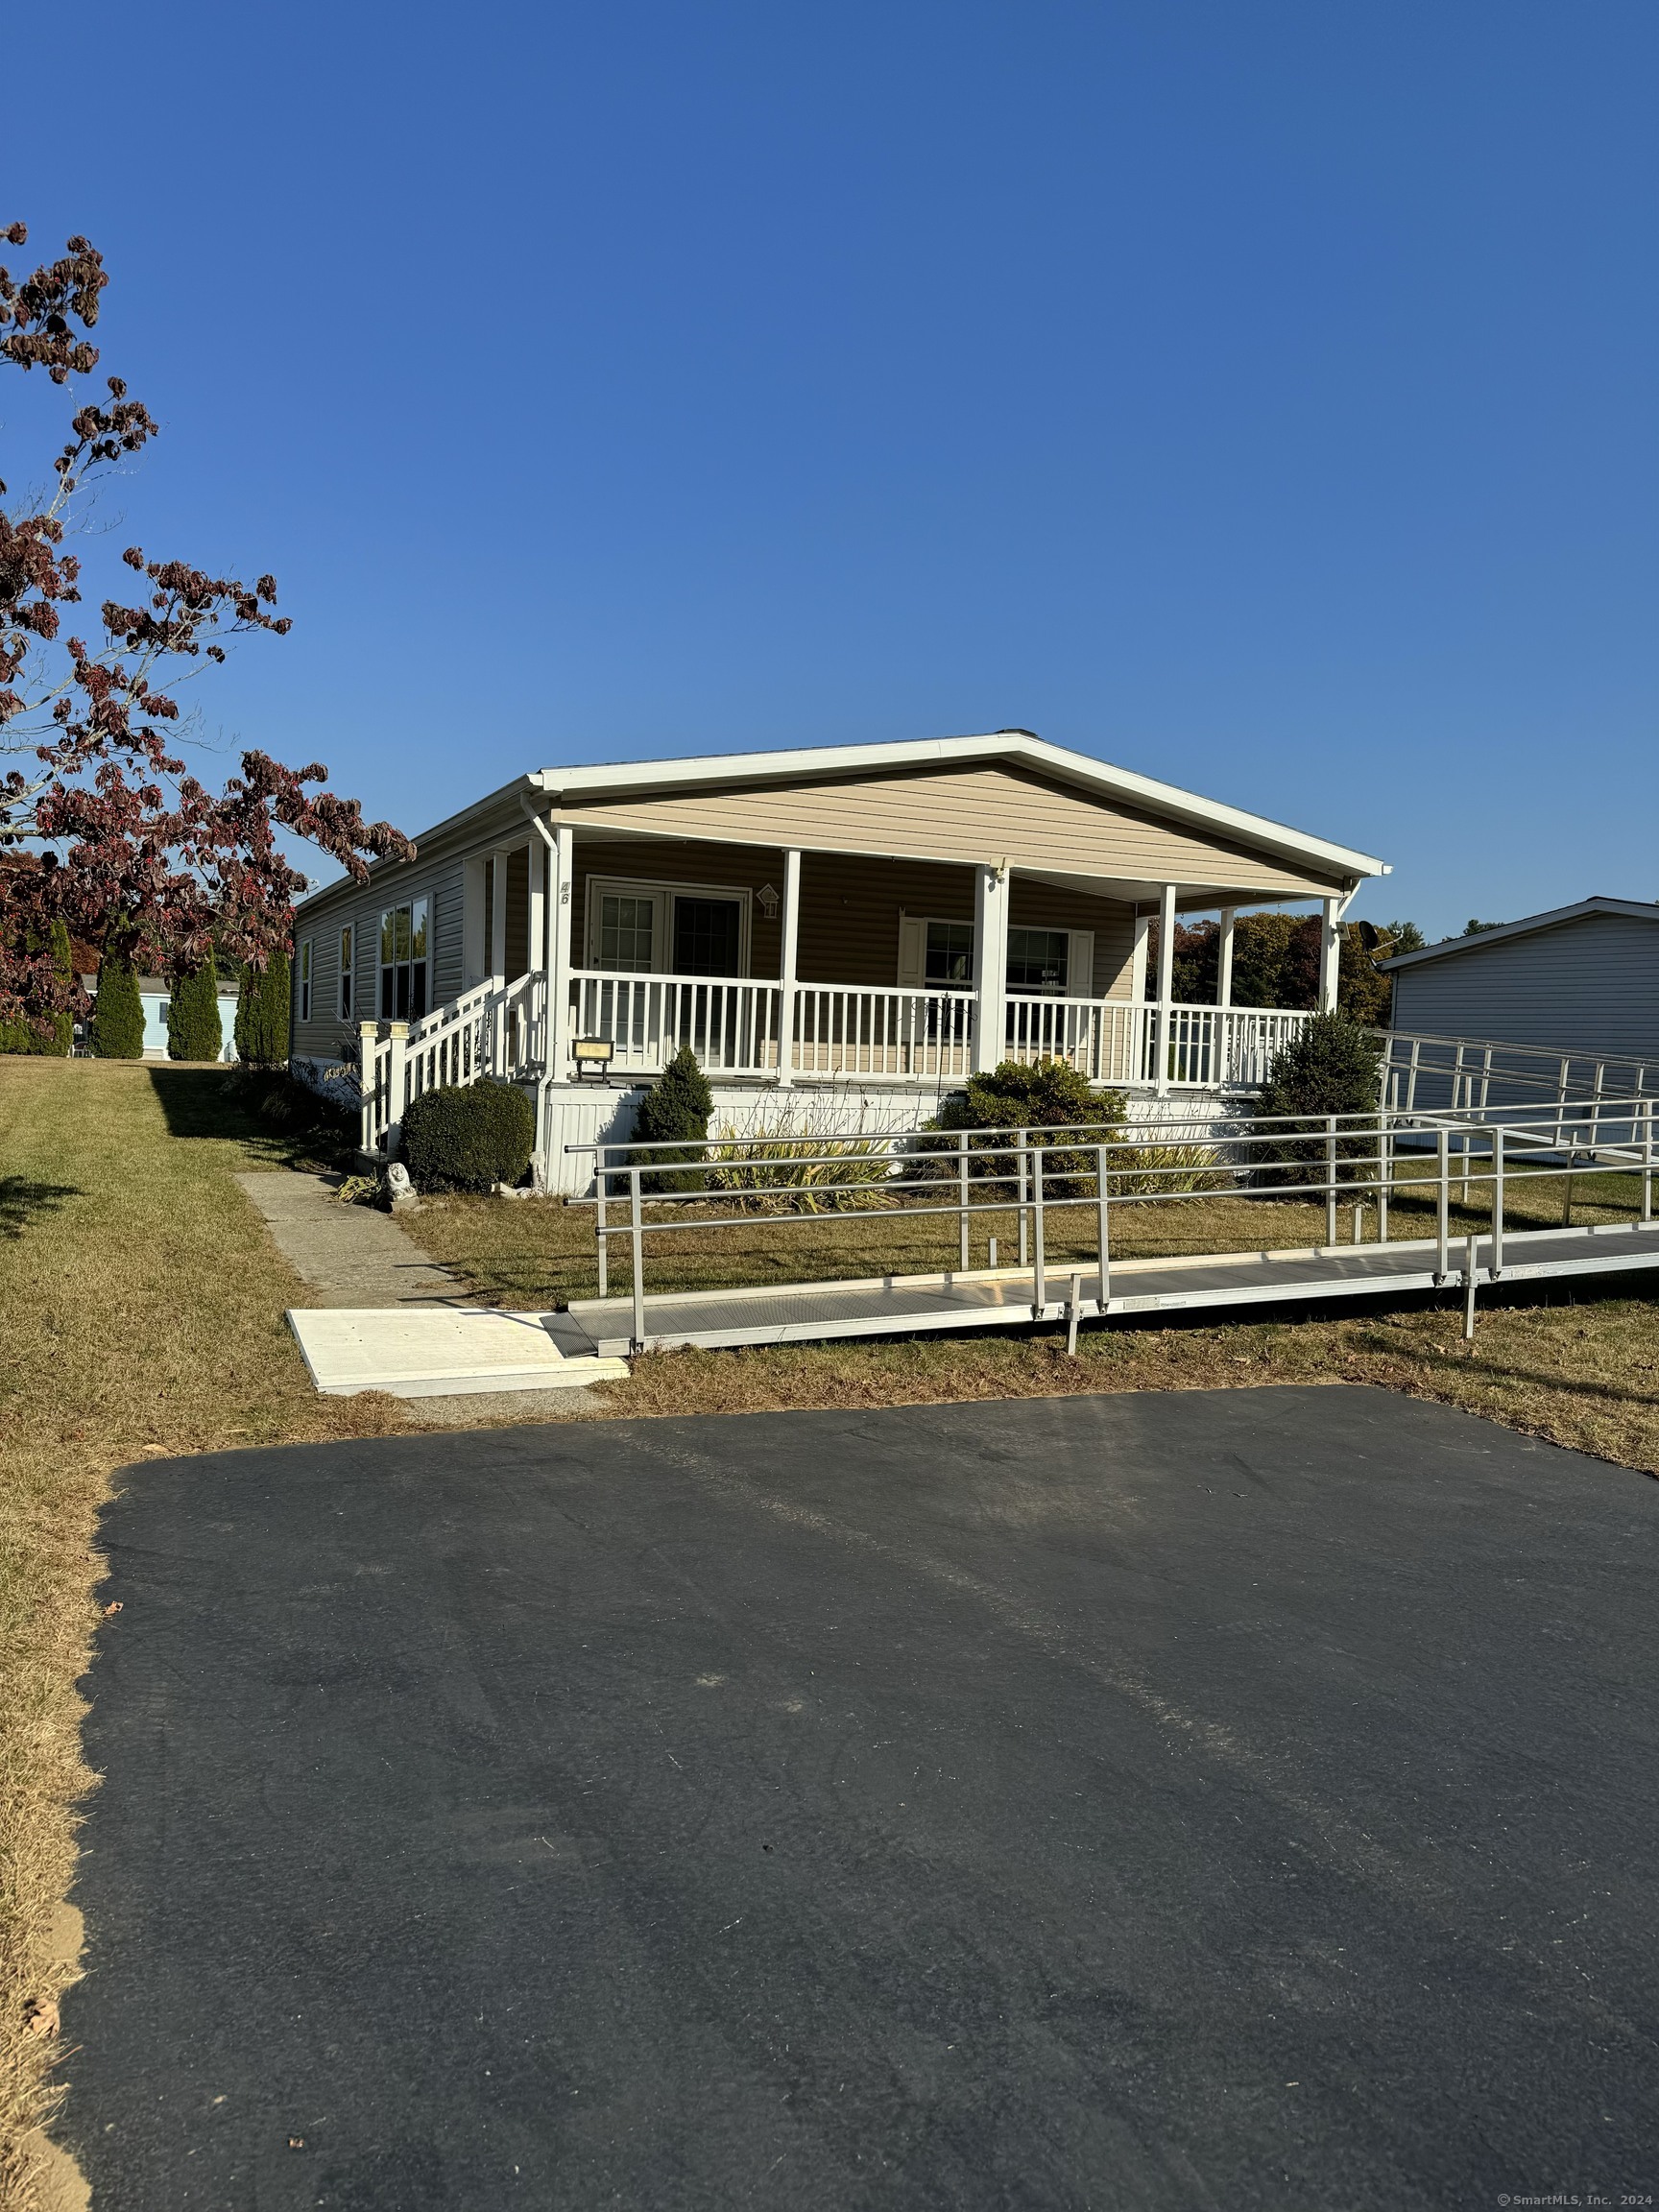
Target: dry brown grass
1578,1367
141,1310
141,1315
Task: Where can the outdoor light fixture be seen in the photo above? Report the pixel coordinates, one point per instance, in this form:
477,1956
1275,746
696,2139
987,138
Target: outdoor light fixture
767,900
593,1055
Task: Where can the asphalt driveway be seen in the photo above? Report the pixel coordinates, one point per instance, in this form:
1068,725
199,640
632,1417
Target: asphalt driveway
1226,1801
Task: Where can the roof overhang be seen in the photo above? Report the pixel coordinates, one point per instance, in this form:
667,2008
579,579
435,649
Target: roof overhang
1631,909
568,787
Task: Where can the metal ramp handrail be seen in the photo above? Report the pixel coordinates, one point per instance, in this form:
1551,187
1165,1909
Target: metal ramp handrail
1279,1156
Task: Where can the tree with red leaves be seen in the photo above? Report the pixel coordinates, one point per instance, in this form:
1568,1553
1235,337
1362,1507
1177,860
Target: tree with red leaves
105,828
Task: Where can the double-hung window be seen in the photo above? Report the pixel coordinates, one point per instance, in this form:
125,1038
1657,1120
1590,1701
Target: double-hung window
305,944
1038,960
405,941
348,969
639,928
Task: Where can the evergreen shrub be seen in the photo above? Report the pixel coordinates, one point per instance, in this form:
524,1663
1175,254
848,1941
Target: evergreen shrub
262,999
468,1136
1328,1066
193,1031
1038,1096
675,1111
118,1012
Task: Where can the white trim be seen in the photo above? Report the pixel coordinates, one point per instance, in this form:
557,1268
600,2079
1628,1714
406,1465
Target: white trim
307,971
660,890
346,981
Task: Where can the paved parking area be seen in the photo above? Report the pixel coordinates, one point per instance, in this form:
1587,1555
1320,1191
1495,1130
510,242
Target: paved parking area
1245,1799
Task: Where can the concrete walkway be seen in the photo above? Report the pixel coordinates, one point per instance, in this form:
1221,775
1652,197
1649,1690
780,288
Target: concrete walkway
348,1255
357,1257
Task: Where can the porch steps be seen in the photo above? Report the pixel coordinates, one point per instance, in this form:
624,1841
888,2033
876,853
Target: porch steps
808,1313
445,1351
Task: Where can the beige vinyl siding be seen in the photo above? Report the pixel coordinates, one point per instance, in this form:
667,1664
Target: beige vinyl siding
850,904
1585,986
967,815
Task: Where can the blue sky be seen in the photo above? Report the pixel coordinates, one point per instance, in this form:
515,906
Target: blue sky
1259,396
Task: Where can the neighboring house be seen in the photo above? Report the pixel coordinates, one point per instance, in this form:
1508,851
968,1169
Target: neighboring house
155,996
844,932
1580,980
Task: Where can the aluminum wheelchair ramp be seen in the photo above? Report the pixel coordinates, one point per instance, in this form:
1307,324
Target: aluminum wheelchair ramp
1007,1297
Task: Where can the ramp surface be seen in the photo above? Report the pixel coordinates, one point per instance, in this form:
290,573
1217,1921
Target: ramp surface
1007,1297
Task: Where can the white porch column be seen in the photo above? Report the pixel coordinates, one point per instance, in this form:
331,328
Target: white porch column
1330,951
1224,957
786,966
1138,956
535,933
990,964
1166,980
560,924
498,915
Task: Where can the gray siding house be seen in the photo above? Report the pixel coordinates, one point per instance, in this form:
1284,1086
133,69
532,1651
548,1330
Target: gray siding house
1582,979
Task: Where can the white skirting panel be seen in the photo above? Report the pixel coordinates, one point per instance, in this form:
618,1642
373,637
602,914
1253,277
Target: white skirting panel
577,1114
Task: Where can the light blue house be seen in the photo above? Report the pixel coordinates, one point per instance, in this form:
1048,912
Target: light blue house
154,996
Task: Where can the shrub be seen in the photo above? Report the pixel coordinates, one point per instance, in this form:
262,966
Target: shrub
788,1168
60,1038
1043,1095
1328,1066
193,1026
262,1030
675,1111
1165,1170
468,1136
285,1102
118,1012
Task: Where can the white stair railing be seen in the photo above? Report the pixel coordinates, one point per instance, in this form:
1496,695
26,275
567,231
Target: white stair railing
496,1028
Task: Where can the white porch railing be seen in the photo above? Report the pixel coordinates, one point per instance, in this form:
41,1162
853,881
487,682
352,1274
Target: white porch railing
1114,1041
731,1022
734,1024
493,1029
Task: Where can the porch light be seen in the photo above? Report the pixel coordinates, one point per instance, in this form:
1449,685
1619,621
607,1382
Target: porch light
592,1055
767,899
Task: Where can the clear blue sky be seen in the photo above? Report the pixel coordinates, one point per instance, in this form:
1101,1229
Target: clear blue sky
1261,397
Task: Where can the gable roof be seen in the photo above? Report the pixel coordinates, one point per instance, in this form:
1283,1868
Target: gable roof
1631,909
1021,747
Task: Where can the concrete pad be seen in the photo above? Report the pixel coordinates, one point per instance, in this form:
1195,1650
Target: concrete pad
439,1351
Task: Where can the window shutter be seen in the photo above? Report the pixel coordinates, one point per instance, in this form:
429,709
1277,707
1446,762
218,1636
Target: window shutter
1080,964
912,951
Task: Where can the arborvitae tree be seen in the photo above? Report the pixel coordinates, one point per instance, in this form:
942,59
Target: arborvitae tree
23,1036
118,1012
193,1027
676,1106
262,1013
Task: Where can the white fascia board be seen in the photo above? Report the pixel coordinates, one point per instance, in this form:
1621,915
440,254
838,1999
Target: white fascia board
1098,776
1632,909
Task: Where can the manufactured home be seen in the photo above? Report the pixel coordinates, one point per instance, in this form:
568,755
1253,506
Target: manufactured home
1580,980
840,935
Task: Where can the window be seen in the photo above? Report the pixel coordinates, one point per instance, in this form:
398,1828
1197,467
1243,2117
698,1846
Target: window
639,928
1038,959
708,936
951,953
405,934
627,933
306,978
347,967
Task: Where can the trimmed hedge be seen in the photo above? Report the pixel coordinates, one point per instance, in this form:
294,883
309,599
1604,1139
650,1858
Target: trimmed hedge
118,1013
193,1027
468,1136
